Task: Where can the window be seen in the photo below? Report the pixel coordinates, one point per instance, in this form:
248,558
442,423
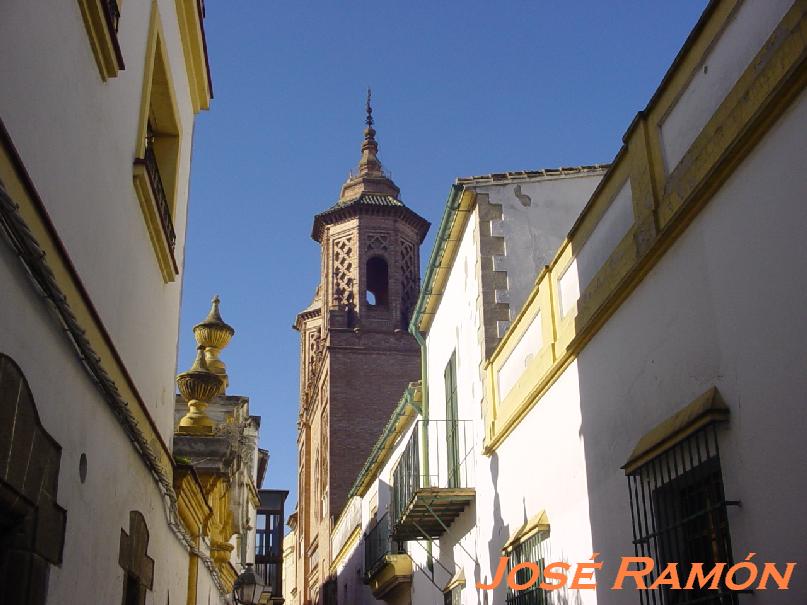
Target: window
532,549
678,506
377,282
453,596
452,424
157,151
101,20
452,593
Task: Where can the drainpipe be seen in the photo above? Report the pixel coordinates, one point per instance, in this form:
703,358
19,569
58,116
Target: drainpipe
424,404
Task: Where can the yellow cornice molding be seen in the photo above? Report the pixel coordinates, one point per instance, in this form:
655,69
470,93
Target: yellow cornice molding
704,410
194,510
103,40
347,547
194,47
535,524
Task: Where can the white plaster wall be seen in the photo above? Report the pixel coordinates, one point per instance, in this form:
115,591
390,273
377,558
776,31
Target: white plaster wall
74,414
539,467
725,307
456,327
516,483
535,219
76,136
612,227
746,32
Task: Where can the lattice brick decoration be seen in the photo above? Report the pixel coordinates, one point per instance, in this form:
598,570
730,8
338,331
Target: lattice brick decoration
409,285
377,241
343,280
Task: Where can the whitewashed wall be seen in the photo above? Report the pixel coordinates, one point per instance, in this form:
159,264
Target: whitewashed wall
745,33
77,136
725,307
536,216
117,481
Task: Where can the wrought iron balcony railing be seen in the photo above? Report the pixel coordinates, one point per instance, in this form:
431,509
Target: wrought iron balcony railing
149,160
378,544
433,479
269,573
112,14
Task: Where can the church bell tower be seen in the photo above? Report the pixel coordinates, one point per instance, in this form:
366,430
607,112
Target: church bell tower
356,355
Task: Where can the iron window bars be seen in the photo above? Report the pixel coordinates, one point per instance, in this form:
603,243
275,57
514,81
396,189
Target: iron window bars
112,14
453,596
678,510
533,549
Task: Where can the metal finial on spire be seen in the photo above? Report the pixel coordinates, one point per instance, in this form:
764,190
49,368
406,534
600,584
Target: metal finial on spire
369,120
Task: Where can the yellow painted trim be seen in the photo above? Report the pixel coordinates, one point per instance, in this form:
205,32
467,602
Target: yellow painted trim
347,547
466,207
166,105
535,524
194,513
706,409
148,205
94,330
397,569
192,506
456,581
193,46
663,205
103,46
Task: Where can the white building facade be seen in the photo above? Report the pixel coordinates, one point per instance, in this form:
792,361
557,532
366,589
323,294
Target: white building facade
97,109
635,391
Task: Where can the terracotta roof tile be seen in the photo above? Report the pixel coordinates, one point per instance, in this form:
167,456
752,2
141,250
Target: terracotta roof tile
523,175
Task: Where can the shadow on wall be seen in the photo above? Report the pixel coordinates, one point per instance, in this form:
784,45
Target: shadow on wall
499,533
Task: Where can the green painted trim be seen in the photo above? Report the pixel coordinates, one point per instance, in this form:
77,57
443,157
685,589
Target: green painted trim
436,256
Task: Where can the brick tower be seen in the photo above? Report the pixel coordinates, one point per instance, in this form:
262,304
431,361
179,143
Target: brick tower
356,356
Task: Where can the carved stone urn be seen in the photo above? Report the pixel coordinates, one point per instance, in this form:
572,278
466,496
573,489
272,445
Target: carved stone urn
198,386
213,334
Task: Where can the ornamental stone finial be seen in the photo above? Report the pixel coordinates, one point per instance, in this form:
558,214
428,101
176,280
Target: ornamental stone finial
198,386
214,334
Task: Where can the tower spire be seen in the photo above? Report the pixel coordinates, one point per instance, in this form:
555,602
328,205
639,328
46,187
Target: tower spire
370,178
369,164
369,120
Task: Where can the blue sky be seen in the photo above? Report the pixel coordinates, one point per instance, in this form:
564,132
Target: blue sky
460,88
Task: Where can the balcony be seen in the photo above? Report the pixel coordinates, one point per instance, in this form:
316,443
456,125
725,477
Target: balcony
432,483
156,208
386,568
111,14
269,544
101,20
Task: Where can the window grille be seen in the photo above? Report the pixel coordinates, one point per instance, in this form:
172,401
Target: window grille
453,596
533,549
678,510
